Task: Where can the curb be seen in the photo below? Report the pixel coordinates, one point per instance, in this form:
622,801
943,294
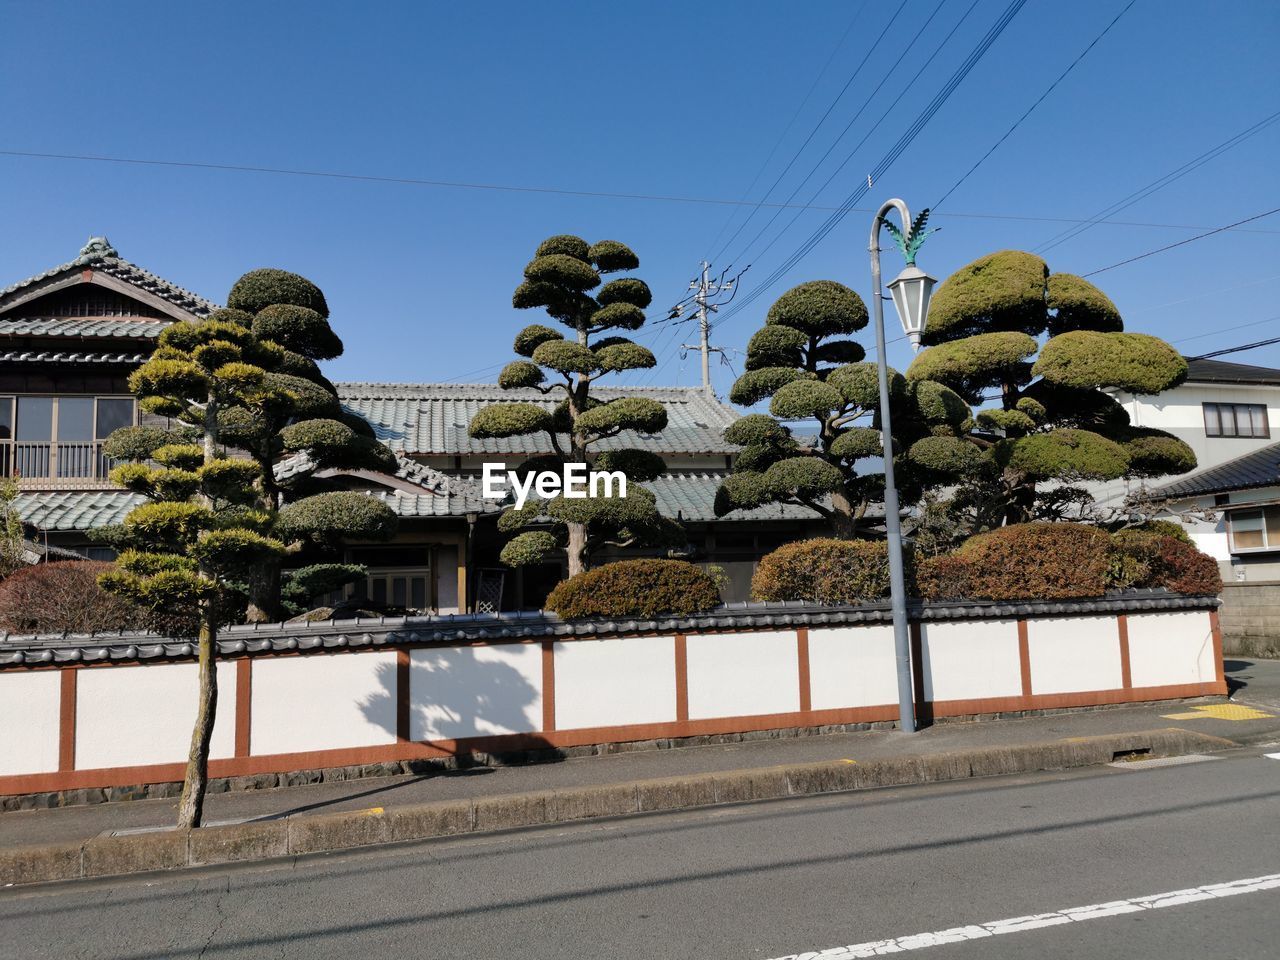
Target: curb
260,840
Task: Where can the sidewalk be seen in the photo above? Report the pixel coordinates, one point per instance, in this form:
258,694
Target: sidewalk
1251,717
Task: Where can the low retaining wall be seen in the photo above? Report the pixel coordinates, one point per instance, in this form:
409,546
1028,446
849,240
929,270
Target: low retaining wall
113,711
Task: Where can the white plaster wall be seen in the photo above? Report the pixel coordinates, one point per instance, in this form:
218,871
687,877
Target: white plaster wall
1179,411
1171,648
133,716
475,691
852,667
29,715
743,674
323,702
970,660
1071,654
608,683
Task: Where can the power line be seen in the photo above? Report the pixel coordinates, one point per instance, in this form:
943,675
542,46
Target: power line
790,123
823,119
1245,346
894,152
1159,184
1180,243
1039,100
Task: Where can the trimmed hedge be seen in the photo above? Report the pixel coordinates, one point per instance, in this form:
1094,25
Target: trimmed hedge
1056,561
635,588
65,595
824,571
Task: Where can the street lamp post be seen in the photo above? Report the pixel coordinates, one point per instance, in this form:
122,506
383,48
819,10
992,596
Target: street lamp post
911,291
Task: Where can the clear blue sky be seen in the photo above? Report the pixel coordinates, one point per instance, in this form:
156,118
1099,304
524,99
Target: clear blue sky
658,98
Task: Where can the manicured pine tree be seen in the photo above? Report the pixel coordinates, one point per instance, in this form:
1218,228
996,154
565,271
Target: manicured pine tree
559,279
212,521
803,362
1055,426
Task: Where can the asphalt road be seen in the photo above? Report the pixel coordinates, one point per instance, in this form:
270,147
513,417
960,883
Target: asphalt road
752,881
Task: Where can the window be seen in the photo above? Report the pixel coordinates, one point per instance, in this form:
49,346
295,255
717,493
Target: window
1257,529
1236,420
47,437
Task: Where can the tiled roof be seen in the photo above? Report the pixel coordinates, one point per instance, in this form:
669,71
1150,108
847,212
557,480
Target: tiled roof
134,328
692,497
442,496
1258,469
1220,371
431,418
393,632
64,510
100,255
69,356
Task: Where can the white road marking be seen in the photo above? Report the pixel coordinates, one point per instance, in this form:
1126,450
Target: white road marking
1097,911
1272,756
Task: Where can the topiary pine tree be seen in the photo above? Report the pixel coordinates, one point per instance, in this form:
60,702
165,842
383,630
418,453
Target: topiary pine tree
213,522
803,362
559,279
1055,425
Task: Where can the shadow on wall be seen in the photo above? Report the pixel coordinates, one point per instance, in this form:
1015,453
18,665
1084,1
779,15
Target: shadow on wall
461,692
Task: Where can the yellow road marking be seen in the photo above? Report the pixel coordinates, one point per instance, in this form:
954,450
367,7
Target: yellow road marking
1220,711
372,811
848,761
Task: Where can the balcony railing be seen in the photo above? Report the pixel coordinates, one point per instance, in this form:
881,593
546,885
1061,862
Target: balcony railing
46,460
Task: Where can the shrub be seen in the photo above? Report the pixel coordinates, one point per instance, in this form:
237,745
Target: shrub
1026,561
824,571
64,596
1171,562
635,588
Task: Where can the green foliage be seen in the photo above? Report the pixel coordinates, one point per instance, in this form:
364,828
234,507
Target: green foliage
756,428
837,351
1086,360
532,337
823,571
802,477
630,290
229,552
743,490
240,318
1076,304
509,420
859,384
638,506
1161,559
1153,453
625,413
610,256
755,385
620,316
566,356
618,354
968,366
520,373
936,403
299,329
169,378
299,398
1012,423
532,546
802,399
635,588
1028,561
230,481
639,466
1072,407
139,443
327,518
299,586
183,456
776,346
263,288
857,443
565,244
160,524
562,270
1002,291
820,308
1063,454
944,456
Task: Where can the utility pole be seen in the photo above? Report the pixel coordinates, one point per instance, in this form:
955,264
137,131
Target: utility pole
706,301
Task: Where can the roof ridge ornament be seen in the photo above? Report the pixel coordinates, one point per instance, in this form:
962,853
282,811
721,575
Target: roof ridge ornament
98,248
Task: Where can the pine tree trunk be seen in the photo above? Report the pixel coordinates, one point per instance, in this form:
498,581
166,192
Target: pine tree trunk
264,593
843,522
577,548
196,779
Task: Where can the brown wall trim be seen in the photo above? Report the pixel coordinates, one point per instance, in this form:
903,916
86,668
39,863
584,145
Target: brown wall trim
244,706
1024,657
802,659
1126,672
1216,627
682,679
67,720
403,665
1088,698
548,685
